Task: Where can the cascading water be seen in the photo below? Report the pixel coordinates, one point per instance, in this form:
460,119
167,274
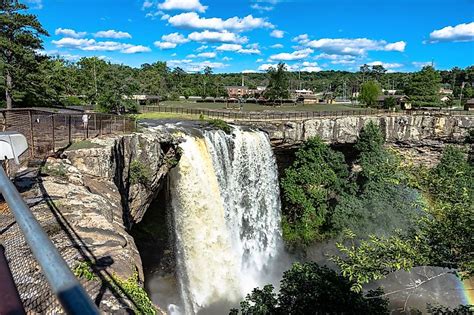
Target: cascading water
226,208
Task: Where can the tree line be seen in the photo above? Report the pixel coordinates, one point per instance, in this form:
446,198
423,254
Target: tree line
30,78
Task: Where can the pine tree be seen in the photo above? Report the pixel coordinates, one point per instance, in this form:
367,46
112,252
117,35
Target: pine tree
19,39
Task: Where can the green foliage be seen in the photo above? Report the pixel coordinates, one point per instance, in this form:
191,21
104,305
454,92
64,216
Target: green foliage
452,179
443,236
460,310
369,93
308,288
390,102
378,211
20,37
139,173
220,124
278,83
376,257
378,164
424,87
317,176
84,270
141,302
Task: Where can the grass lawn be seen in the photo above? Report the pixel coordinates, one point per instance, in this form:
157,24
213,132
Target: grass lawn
259,108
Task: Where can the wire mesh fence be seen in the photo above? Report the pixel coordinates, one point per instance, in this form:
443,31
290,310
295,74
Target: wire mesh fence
47,132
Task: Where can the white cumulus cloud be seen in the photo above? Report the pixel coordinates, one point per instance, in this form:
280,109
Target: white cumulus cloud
165,45
277,34
350,46
191,20
69,33
176,38
386,65
93,45
296,55
217,37
459,33
277,46
112,34
184,5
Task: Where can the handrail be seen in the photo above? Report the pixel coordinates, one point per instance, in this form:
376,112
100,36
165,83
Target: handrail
62,281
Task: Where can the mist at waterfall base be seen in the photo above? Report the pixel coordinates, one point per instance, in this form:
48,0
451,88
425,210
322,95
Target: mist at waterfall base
225,205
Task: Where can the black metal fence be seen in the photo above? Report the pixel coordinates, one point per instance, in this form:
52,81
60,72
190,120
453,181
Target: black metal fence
293,115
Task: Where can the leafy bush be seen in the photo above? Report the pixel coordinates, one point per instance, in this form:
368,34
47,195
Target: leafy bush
141,302
84,270
220,124
316,178
308,289
139,173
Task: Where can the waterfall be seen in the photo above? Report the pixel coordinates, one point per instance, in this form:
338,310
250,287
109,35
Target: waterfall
226,208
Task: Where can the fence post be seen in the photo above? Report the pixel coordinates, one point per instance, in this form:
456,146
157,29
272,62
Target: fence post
124,124
87,129
52,125
100,125
110,125
32,148
69,129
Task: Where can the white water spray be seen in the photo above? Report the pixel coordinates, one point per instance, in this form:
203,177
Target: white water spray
226,210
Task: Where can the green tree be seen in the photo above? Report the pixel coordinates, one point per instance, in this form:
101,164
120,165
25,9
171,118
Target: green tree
310,185
278,83
378,71
19,38
442,236
390,102
369,93
308,289
423,89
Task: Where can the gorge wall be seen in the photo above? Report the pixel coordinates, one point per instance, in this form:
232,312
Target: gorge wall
419,137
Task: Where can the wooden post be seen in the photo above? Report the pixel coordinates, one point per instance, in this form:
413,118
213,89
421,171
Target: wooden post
110,125
69,133
52,125
115,123
87,129
124,125
95,122
32,143
100,125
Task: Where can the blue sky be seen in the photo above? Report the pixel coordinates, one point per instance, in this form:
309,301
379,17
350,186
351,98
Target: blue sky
251,35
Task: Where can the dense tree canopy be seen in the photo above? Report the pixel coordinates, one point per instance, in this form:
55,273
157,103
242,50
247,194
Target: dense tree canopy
369,93
423,88
308,288
19,39
310,185
277,88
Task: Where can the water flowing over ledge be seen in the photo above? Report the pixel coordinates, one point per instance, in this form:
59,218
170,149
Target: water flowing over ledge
226,209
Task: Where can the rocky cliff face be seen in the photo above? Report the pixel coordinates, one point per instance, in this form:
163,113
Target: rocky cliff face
88,199
419,137
397,128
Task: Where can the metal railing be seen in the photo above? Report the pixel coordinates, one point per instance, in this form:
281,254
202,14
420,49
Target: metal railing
293,115
62,281
48,131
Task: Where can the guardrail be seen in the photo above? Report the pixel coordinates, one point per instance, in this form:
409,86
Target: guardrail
47,131
62,281
293,115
